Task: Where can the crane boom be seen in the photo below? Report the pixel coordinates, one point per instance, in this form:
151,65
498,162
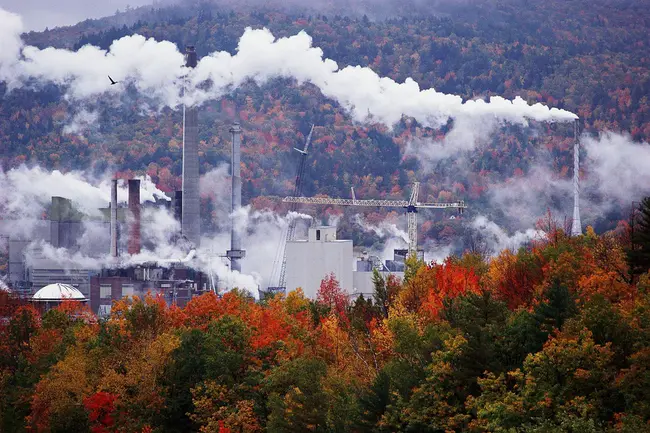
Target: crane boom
411,206
371,203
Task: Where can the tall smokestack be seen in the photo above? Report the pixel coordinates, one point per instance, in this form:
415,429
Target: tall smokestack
178,205
235,253
190,220
114,218
576,226
134,209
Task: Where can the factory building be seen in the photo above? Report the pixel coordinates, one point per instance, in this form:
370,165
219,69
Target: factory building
31,269
176,284
175,280
309,261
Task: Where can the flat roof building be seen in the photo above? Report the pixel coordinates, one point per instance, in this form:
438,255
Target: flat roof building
310,261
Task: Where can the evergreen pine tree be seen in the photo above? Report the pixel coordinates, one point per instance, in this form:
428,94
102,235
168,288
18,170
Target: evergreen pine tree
638,255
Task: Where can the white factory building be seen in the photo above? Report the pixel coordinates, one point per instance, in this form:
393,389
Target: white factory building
311,260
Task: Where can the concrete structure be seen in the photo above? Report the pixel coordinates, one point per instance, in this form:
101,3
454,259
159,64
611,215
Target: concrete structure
66,224
398,262
113,218
42,271
177,205
177,284
576,226
235,253
52,295
311,260
191,220
134,213
363,275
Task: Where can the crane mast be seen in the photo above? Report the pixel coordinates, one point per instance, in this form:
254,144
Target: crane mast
291,227
411,206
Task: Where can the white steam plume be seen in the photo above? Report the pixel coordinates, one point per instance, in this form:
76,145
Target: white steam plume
156,69
497,239
262,230
467,134
615,173
385,229
3,285
617,168
26,191
523,200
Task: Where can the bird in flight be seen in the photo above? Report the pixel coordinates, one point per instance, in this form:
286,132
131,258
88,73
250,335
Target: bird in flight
112,81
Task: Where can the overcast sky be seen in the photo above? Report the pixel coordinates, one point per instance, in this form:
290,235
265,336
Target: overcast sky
38,14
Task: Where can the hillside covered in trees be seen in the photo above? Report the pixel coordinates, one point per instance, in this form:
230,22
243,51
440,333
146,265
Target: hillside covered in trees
587,57
553,338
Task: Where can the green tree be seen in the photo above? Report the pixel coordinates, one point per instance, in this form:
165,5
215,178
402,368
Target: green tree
296,400
373,403
638,255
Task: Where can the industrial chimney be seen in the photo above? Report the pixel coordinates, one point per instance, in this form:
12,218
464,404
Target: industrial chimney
576,226
190,218
114,218
134,209
178,205
235,253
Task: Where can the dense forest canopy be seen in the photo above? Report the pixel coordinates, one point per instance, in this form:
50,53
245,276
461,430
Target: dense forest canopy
553,338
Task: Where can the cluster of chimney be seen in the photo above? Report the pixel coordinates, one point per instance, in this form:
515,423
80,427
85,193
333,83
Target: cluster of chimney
186,203
133,218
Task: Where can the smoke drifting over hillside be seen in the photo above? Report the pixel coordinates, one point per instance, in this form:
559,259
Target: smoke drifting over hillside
156,70
617,167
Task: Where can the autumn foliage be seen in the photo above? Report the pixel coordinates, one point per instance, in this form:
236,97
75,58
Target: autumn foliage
554,336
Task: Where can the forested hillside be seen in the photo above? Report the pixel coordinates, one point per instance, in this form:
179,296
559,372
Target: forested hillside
587,57
550,339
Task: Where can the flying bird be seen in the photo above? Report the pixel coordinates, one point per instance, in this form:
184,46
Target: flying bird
112,81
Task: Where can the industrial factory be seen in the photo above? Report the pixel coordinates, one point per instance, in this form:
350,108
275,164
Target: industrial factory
36,270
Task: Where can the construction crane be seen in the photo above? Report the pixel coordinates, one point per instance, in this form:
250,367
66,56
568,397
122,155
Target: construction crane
411,206
291,227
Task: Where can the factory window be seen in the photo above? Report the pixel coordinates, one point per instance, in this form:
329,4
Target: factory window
105,291
127,290
318,235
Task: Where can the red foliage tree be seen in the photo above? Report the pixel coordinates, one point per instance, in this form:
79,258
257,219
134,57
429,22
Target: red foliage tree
330,294
101,411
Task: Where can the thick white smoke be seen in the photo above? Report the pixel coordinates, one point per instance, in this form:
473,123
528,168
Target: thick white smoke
26,191
384,229
467,134
497,239
617,168
3,285
156,69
